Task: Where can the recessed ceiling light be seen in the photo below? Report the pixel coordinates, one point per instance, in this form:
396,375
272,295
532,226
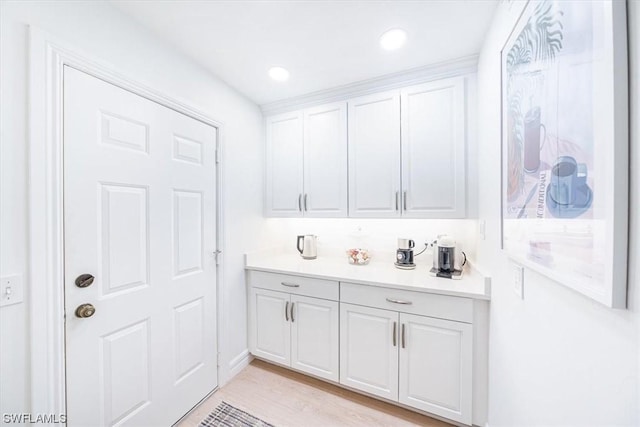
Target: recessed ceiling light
279,74
393,39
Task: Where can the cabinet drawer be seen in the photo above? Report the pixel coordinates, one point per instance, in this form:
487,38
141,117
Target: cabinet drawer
296,285
424,304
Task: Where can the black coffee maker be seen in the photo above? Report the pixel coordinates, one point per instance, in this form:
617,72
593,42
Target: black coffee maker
445,262
404,254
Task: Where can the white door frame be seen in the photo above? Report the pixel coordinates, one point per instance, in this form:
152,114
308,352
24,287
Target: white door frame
47,58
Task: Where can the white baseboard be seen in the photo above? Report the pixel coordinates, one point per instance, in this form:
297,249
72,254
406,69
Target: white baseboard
238,363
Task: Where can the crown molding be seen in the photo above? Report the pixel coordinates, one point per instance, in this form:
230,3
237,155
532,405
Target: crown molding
453,68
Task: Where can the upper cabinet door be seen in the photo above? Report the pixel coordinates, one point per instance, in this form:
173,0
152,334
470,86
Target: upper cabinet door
374,156
433,149
283,195
325,161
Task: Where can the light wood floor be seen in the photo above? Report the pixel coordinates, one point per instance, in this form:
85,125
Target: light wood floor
286,398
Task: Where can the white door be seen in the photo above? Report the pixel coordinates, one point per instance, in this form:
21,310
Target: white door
374,156
433,149
436,366
271,325
369,350
139,216
314,336
284,165
325,161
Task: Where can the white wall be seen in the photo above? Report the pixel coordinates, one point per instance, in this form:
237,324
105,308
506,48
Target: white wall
100,31
556,357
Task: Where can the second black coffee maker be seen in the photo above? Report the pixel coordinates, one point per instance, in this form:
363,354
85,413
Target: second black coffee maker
404,254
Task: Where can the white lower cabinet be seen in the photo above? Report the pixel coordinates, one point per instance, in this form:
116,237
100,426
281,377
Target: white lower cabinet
419,361
314,336
386,342
368,350
273,340
435,366
295,331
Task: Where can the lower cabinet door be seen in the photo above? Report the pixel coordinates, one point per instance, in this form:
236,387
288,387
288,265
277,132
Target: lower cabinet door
271,338
369,350
436,366
314,336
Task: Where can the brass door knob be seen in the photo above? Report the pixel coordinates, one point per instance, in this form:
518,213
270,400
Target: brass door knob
85,310
84,280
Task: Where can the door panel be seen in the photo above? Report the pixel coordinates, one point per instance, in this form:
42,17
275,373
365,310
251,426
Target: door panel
433,149
139,215
325,161
272,331
126,385
314,336
189,339
368,350
436,366
187,232
284,177
124,229
374,155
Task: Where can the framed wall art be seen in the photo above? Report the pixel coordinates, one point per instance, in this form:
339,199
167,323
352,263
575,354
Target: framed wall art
565,145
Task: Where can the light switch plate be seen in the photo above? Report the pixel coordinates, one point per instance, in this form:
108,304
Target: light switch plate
517,273
482,229
10,290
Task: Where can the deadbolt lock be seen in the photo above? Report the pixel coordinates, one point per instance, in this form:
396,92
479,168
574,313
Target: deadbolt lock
85,310
84,280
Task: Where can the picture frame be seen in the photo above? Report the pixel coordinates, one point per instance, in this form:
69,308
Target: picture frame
565,144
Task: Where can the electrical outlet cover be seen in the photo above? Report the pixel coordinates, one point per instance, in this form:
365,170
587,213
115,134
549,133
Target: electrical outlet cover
517,272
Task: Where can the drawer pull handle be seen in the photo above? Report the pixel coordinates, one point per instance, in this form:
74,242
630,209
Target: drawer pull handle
403,341
397,301
286,311
395,332
291,285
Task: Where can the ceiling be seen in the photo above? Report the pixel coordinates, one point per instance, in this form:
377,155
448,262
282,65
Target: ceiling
324,44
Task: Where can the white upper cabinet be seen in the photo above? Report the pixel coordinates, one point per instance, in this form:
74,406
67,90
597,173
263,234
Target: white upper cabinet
374,156
307,163
283,195
433,149
399,153
325,161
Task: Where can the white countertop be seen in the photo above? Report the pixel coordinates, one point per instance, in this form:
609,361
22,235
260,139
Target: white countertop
377,273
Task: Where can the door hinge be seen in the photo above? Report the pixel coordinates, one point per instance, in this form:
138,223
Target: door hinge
218,360
217,157
217,254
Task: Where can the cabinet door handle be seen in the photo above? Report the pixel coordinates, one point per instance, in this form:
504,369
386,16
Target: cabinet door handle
300,202
403,341
397,204
395,332
404,201
397,301
305,202
291,285
286,311
292,319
